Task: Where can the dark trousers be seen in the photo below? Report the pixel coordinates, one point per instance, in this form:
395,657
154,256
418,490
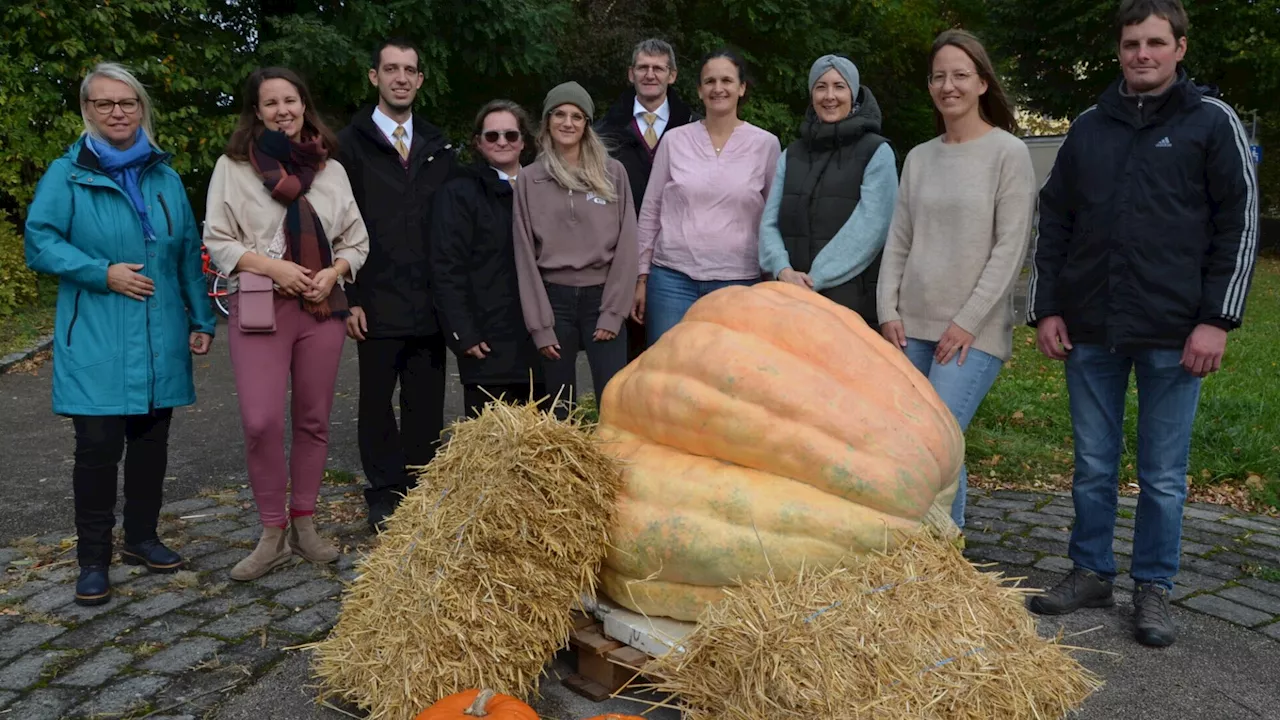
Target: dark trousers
101,440
577,309
418,364
475,395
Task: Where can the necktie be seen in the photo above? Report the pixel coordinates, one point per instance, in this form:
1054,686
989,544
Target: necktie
650,136
401,148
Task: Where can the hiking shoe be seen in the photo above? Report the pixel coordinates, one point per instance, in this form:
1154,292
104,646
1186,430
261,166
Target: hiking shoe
93,587
379,511
153,554
1079,589
1152,621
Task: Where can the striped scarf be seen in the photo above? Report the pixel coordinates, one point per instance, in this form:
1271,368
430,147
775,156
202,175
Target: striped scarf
287,169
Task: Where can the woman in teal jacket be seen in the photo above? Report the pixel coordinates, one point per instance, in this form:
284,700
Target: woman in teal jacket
111,219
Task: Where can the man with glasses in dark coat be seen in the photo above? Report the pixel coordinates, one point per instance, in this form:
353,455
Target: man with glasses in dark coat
634,127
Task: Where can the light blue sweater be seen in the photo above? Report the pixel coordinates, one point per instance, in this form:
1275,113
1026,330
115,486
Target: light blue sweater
860,238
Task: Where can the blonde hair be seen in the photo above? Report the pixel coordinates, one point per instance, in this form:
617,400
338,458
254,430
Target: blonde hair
116,71
592,173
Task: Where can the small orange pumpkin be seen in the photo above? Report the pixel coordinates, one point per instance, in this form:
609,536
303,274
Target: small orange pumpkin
479,704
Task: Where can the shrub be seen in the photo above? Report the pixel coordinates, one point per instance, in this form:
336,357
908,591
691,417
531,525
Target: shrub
17,281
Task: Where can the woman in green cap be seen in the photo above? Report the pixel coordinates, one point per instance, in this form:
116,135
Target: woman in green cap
575,243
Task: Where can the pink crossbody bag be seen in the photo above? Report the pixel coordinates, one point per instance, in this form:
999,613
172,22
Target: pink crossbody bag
257,305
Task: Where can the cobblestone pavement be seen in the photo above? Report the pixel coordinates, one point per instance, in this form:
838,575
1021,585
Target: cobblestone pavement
1230,565
178,646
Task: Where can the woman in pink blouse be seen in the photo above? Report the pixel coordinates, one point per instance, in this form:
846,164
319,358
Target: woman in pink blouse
700,221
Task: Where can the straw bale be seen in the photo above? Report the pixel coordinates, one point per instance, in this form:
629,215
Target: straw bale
915,632
473,581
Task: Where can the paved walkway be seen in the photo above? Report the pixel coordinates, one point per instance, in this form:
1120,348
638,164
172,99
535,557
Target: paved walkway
181,645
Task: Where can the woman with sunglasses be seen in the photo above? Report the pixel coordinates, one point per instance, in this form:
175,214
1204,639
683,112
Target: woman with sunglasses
473,265
575,241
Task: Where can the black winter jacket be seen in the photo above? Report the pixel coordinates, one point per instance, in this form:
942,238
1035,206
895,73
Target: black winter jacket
1148,221
618,129
393,287
473,273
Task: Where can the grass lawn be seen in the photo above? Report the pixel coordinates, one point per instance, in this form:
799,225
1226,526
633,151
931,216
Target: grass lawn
1022,433
28,324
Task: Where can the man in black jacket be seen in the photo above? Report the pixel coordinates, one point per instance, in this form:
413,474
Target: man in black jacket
396,161
634,126
1148,233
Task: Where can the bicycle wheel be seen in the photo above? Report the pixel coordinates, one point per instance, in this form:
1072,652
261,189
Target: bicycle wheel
218,293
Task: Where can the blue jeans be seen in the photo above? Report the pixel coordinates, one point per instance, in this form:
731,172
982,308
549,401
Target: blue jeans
1097,381
962,389
669,295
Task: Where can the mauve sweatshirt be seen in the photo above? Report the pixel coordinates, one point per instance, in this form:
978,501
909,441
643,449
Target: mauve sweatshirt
567,237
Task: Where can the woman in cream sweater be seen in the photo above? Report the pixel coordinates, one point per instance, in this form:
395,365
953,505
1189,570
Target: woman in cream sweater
280,207
959,235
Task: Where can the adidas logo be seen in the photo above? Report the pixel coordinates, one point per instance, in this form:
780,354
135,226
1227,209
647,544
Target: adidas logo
1164,142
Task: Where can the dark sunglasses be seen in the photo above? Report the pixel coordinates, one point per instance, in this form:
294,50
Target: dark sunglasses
491,136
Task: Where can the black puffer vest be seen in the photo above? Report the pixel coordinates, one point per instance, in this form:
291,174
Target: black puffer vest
822,186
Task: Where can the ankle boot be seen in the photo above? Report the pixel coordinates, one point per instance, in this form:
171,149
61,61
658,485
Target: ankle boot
306,542
272,552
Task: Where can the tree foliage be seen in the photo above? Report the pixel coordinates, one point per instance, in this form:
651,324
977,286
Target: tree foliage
194,57
1060,56
186,62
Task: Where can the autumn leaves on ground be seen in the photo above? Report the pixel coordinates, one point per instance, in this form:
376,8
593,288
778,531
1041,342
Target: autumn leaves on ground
1021,436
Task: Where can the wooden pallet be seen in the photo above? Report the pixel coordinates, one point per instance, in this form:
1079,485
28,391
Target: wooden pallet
605,665
614,646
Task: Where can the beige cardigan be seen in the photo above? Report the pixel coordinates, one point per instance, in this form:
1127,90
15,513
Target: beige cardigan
241,216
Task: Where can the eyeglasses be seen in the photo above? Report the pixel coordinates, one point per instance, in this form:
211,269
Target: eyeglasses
105,107
958,77
655,69
491,136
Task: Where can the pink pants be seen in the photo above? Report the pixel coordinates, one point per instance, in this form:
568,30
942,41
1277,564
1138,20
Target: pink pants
307,351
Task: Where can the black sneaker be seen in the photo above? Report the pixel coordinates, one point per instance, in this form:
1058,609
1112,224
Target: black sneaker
1079,589
93,587
153,554
1152,621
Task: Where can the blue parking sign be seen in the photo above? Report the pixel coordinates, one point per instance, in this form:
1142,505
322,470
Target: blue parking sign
1256,151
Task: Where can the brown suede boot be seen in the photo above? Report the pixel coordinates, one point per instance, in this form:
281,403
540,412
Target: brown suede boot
306,542
271,553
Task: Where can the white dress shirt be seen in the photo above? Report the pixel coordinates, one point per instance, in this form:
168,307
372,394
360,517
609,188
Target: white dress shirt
660,124
388,126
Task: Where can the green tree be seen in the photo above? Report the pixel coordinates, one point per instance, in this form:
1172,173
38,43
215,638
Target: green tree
780,39
178,50
1060,56
471,51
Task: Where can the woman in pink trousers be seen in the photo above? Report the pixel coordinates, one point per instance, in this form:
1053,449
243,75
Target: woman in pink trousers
282,221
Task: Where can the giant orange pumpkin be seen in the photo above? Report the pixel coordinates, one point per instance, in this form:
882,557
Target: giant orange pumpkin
475,703
770,427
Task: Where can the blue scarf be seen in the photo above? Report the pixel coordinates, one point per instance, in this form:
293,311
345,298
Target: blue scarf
125,167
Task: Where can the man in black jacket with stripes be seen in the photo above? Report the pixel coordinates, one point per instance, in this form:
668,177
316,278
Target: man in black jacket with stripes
1148,231
396,160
